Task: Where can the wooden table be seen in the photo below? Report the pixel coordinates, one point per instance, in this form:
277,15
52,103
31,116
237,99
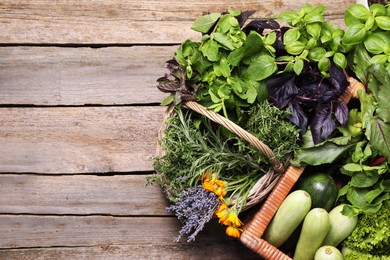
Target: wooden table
79,115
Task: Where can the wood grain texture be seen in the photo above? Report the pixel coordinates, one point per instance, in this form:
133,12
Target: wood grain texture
78,76
78,139
117,21
119,195
53,231
226,250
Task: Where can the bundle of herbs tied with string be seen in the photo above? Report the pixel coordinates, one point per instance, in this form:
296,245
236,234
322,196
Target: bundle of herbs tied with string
275,83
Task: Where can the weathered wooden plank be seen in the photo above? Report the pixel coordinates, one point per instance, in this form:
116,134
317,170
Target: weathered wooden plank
78,139
78,76
119,195
68,231
229,250
116,21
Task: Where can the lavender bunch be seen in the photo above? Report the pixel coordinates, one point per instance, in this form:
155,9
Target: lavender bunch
194,208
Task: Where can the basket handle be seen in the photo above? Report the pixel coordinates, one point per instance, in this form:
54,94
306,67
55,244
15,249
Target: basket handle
233,127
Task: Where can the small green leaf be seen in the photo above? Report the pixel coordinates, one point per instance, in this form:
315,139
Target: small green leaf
383,22
314,29
354,34
356,196
352,167
270,38
291,35
349,19
324,64
317,53
222,68
298,66
372,194
359,11
340,60
263,67
369,23
224,40
168,100
210,49
289,17
214,97
204,23
251,94
374,44
378,9
313,17
295,48
379,59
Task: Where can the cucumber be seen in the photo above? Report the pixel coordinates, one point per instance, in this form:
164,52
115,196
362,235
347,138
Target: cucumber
341,226
328,253
290,214
322,189
314,230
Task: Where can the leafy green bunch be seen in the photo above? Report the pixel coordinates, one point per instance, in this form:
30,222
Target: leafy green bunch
227,67
367,36
312,39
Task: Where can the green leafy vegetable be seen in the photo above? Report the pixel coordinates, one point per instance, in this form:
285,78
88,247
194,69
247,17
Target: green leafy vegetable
371,237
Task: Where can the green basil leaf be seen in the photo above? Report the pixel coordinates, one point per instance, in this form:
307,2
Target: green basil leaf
291,35
261,68
324,64
354,34
317,53
251,94
289,17
374,44
270,38
204,23
379,59
349,19
314,29
236,56
378,9
369,23
383,22
295,48
214,97
359,11
298,66
313,17
340,60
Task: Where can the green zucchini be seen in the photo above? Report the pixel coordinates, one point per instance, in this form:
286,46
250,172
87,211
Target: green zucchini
314,229
328,253
341,226
290,214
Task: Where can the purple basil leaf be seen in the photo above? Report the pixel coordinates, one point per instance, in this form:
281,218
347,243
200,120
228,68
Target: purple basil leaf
338,79
243,17
298,116
281,89
341,113
322,125
260,25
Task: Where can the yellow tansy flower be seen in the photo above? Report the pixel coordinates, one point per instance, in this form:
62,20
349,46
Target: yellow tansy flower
233,231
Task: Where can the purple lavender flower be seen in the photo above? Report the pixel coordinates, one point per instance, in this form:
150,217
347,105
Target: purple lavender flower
194,208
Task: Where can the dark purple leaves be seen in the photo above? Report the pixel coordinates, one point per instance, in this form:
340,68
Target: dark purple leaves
175,82
312,99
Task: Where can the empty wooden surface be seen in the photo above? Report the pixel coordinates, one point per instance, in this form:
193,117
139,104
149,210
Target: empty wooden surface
79,117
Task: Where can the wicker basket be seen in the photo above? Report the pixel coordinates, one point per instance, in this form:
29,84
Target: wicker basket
273,187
